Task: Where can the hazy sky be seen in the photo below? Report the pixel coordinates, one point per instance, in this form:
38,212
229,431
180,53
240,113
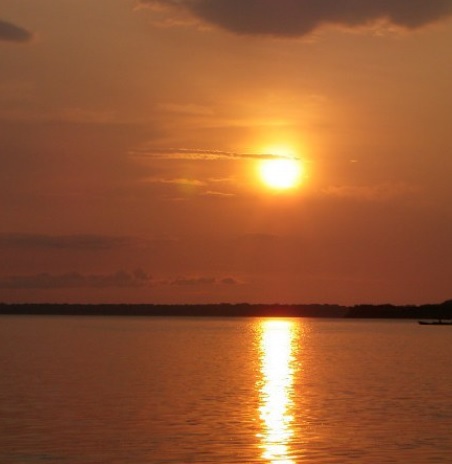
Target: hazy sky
131,135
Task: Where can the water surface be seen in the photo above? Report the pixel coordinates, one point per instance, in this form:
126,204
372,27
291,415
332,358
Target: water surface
194,390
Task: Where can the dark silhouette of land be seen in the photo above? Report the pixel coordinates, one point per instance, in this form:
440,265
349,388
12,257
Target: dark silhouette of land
387,311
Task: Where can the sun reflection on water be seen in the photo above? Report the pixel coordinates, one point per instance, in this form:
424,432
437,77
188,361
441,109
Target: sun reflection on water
277,343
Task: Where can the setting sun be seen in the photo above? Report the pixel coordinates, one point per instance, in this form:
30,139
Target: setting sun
281,174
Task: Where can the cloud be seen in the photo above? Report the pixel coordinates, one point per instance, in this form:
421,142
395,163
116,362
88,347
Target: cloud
379,192
183,281
194,281
73,242
178,181
9,32
117,279
297,18
190,187
199,154
215,194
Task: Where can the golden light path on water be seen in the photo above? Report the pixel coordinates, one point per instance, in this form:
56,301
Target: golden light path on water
278,339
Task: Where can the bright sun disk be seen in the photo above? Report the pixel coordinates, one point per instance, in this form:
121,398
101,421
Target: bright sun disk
281,174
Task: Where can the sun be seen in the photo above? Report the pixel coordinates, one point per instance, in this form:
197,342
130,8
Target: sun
281,173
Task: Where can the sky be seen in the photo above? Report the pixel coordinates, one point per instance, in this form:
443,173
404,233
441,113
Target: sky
133,134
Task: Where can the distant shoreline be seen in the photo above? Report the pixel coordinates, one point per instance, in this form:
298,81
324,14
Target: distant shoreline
388,311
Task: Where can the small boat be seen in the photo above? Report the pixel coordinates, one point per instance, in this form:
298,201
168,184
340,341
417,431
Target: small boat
438,322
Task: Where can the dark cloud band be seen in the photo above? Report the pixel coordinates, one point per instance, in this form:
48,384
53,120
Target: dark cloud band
76,280
119,279
292,18
11,33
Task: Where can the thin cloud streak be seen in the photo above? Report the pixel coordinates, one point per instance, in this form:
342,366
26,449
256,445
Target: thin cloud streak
47,281
381,192
181,181
201,154
195,281
118,279
298,18
216,194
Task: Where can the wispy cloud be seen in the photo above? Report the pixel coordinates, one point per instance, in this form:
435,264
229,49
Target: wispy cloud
195,281
296,18
9,32
199,154
217,194
176,181
117,279
379,192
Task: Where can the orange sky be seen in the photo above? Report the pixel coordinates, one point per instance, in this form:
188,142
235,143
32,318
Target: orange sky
132,132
